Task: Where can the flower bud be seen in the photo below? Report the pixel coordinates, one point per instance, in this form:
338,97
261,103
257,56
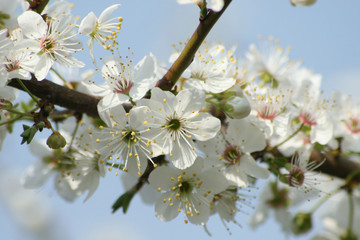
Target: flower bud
237,107
302,2
56,140
301,223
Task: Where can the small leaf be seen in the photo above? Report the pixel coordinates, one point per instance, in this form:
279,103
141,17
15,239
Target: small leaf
123,201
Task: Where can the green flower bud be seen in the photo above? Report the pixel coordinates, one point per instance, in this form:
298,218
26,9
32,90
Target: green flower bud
301,223
237,107
302,2
56,140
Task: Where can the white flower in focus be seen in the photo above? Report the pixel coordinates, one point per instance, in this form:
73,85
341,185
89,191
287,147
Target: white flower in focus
190,190
125,140
233,150
124,81
101,29
215,5
177,122
53,42
302,2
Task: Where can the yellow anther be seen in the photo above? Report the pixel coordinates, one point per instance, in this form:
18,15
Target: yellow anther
164,100
127,114
97,140
110,169
145,122
159,189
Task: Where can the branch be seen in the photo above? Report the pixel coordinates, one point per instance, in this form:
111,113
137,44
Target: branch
61,96
187,55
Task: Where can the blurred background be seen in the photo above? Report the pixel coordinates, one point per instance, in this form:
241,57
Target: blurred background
325,36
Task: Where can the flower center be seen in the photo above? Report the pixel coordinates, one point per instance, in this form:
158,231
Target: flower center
174,124
296,176
199,75
12,66
185,187
123,86
307,119
232,155
353,124
280,197
129,136
60,161
267,113
47,45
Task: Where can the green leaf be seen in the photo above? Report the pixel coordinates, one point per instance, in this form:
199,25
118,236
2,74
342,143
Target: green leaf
28,133
123,201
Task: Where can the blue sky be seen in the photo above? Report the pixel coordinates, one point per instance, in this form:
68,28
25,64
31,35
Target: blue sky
324,36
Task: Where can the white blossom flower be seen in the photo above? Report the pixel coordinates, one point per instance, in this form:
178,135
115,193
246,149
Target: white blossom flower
177,121
101,29
124,81
51,43
190,190
125,141
233,150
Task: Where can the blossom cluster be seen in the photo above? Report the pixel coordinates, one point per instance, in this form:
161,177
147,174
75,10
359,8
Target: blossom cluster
198,145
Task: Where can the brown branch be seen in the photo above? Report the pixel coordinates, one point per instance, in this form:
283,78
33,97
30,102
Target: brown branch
61,96
187,55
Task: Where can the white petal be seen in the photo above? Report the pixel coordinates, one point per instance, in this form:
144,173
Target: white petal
236,176
43,66
248,164
107,12
37,175
88,24
164,211
246,135
161,177
116,111
32,24
204,126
